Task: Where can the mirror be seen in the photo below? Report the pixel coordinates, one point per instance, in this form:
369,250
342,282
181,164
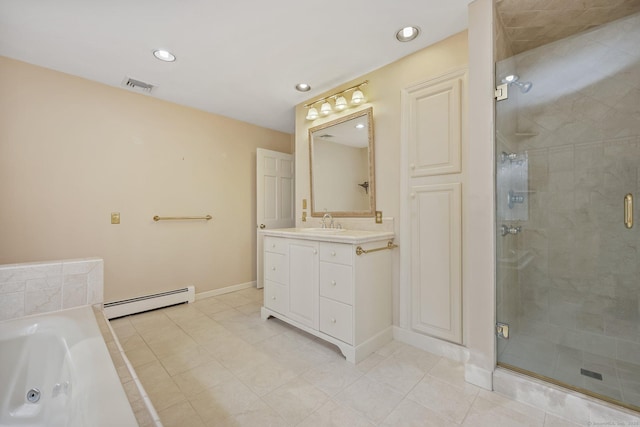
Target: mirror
341,158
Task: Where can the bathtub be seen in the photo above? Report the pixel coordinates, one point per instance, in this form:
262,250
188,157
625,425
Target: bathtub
55,370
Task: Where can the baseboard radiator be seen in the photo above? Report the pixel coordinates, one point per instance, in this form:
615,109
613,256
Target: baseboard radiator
149,302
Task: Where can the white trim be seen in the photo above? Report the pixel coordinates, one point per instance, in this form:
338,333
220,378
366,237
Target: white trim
564,403
432,345
477,376
225,290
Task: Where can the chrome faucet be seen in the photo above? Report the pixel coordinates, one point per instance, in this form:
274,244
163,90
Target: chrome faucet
324,219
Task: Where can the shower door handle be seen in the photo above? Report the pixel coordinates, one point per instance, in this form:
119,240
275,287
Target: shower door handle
628,210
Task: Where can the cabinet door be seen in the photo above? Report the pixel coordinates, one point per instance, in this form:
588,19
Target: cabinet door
436,261
303,282
433,120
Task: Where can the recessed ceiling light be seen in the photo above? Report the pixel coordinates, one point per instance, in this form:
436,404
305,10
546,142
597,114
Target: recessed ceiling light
407,34
164,55
359,126
303,87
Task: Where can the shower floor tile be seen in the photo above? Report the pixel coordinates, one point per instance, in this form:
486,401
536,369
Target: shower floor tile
227,367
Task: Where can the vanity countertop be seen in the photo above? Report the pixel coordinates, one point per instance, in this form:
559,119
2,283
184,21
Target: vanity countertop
330,235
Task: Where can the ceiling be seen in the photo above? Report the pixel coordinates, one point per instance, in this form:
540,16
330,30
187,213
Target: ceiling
532,23
239,59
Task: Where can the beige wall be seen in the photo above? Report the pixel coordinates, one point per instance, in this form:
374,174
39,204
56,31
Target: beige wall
72,151
383,94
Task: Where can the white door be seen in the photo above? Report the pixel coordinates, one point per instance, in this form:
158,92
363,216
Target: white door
274,196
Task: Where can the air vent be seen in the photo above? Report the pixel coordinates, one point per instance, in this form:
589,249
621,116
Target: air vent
137,85
326,135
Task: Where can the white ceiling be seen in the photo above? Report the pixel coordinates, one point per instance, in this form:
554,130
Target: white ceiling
239,59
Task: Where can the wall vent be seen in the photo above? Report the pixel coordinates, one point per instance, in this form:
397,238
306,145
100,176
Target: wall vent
137,85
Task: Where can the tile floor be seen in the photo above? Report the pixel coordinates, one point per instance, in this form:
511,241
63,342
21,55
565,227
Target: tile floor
216,363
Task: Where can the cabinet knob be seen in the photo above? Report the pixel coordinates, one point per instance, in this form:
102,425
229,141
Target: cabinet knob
412,195
333,282
273,245
273,298
333,320
333,253
412,166
315,251
273,268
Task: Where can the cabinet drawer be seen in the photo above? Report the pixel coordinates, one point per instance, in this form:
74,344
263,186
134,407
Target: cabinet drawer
276,296
275,268
275,244
336,319
336,282
336,252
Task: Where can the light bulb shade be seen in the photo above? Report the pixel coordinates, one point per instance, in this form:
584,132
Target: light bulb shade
312,114
326,109
341,103
357,97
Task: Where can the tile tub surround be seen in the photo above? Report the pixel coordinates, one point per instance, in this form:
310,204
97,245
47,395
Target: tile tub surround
41,287
216,363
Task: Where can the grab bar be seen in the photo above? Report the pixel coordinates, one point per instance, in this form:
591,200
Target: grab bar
390,245
164,218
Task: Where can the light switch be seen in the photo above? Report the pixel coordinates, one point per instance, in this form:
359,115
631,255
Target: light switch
115,217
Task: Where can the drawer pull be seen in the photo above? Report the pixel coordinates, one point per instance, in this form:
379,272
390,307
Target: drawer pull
333,320
273,245
333,282
333,253
273,298
273,268
315,251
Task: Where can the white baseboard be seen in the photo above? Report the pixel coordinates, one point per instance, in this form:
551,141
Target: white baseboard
432,345
225,290
478,376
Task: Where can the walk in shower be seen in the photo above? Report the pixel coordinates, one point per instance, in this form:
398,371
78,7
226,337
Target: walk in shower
567,168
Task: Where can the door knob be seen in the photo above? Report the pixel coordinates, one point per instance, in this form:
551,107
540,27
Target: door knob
262,226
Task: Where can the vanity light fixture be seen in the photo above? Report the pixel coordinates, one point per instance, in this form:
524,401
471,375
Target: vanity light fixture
340,101
312,114
357,98
164,55
407,34
303,87
326,109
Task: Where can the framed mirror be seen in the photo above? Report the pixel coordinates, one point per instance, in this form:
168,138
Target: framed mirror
341,156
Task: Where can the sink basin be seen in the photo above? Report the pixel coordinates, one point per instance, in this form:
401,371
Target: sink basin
322,230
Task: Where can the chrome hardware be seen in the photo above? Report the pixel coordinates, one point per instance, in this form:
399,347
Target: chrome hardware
33,395
502,92
326,216
506,229
504,156
628,210
513,198
502,329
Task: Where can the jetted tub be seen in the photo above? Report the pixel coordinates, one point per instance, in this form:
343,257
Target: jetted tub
55,370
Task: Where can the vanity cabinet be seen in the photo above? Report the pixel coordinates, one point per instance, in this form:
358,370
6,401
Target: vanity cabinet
324,288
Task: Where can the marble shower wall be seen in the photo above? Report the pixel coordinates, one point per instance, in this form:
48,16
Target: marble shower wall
580,125
36,288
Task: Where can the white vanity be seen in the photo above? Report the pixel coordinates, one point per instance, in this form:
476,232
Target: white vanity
334,284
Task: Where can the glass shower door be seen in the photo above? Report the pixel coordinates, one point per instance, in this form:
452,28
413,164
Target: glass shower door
567,144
